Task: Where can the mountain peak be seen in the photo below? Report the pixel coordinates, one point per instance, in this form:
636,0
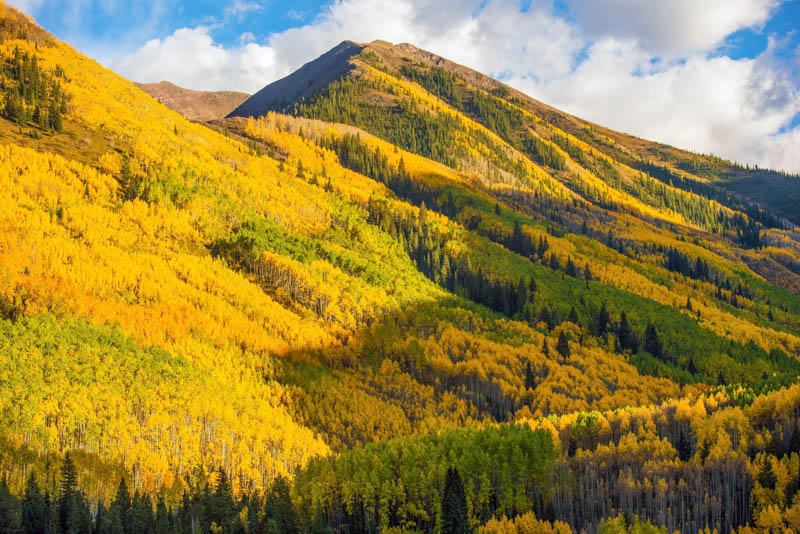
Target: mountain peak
327,68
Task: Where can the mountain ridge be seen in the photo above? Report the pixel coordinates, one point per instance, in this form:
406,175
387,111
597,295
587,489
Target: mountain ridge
770,190
195,105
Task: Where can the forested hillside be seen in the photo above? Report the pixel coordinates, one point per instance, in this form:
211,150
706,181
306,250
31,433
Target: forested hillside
412,300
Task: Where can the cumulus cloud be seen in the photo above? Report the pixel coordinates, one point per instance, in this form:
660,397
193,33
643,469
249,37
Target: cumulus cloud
650,69
717,104
190,58
673,27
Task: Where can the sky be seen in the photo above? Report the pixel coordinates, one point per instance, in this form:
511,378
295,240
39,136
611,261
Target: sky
713,76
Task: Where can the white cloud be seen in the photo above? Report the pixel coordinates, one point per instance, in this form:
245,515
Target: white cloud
190,58
602,68
670,27
718,105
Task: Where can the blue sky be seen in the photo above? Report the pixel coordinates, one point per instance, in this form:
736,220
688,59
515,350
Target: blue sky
715,76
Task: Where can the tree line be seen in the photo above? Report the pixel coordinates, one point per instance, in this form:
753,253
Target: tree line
31,94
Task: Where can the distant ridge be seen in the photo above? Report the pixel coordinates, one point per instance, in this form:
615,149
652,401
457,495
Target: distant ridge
199,106
324,70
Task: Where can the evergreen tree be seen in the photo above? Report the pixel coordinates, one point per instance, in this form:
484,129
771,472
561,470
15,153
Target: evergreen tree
222,502
625,334
162,523
603,319
563,345
69,485
79,518
573,317
766,475
532,285
279,507
684,447
570,269
318,524
530,379
141,515
454,505
554,263
9,509
34,511
122,502
56,120
546,317
652,343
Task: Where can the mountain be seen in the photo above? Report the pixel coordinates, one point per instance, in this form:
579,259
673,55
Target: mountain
200,106
413,300
327,68
455,84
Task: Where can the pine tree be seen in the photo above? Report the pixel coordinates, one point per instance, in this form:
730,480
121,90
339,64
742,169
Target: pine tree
563,345
454,505
279,507
684,447
530,379
573,317
625,335
122,502
546,317
141,515
34,511
766,475
652,343
79,518
532,285
9,509
69,485
570,269
603,319
56,120
223,504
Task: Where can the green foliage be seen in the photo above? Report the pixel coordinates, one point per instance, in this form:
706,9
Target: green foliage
563,345
31,94
544,153
406,124
454,505
504,469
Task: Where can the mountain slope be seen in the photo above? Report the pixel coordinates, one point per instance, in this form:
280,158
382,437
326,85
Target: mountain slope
327,68
772,190
198,106
447,281
401,94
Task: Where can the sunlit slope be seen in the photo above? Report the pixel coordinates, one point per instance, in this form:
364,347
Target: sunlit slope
170,302
254,297
441,110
